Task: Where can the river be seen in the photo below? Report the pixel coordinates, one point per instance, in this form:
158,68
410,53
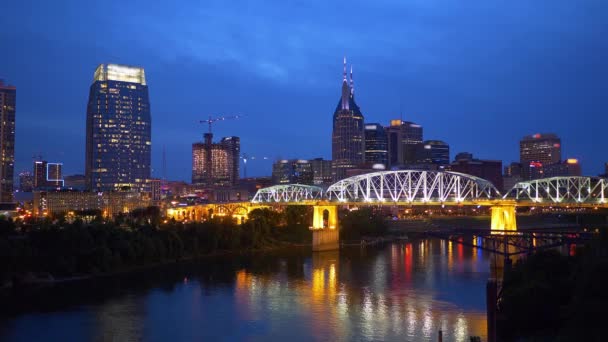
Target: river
405,291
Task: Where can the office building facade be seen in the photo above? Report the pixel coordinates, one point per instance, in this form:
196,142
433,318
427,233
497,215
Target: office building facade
8,107
490,170
118,142
433,152
404,139
321,170
376,145
294,171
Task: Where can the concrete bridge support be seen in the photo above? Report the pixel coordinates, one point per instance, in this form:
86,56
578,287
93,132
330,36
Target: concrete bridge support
503,218
325,232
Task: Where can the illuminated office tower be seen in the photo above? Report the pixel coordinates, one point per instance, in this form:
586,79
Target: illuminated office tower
8,103
536,151
118,146
348,138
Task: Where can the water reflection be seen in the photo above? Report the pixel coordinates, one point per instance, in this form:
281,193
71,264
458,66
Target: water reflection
402,291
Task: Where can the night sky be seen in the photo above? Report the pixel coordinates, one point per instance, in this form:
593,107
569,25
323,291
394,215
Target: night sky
478,74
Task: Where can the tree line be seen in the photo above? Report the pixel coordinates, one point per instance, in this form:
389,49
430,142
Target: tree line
65,248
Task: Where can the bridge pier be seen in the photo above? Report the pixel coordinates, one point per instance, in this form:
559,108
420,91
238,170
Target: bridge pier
325,232
503,218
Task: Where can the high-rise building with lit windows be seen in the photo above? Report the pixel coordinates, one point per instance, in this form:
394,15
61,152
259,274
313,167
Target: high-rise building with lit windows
118,146
216,164
8,104
348,138
538,150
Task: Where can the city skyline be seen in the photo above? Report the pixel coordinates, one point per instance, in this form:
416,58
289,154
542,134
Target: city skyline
481,102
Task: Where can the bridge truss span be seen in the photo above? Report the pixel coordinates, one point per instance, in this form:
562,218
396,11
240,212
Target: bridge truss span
413,186
554,190
288,193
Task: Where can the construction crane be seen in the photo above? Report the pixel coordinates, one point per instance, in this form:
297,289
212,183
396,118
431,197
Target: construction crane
245,157
211,119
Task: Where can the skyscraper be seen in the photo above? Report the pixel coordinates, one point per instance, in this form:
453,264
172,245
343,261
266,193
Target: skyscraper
216,164
538,150
118,146
8,104
39,174
348,139
404,139
376,144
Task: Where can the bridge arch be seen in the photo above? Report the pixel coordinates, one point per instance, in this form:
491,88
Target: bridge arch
288,193
412,186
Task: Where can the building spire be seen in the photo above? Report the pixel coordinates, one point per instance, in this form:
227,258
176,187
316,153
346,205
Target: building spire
345,90
352,83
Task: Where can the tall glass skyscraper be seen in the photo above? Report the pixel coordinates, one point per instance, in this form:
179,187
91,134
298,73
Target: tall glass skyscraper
8,103
118,148
348,139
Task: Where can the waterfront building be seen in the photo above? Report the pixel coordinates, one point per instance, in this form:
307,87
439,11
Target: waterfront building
8,105
348,138
118,137
536,151
490,170
216,164
404,139
109,203
376,144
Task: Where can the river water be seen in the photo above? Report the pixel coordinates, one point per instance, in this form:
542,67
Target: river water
404,291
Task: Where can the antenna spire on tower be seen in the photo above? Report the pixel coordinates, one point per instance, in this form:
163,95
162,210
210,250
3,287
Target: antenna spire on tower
352,83
344,68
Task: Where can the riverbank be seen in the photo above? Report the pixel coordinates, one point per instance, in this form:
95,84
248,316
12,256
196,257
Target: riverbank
553,297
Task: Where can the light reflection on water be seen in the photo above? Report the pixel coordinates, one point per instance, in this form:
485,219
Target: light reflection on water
402,292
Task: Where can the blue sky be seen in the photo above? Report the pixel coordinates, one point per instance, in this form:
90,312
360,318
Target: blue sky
477,74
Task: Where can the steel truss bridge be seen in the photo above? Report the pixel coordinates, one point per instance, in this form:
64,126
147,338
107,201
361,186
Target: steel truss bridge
414,187
410,188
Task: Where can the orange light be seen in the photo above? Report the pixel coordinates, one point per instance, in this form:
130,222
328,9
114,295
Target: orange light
396,122
572,161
